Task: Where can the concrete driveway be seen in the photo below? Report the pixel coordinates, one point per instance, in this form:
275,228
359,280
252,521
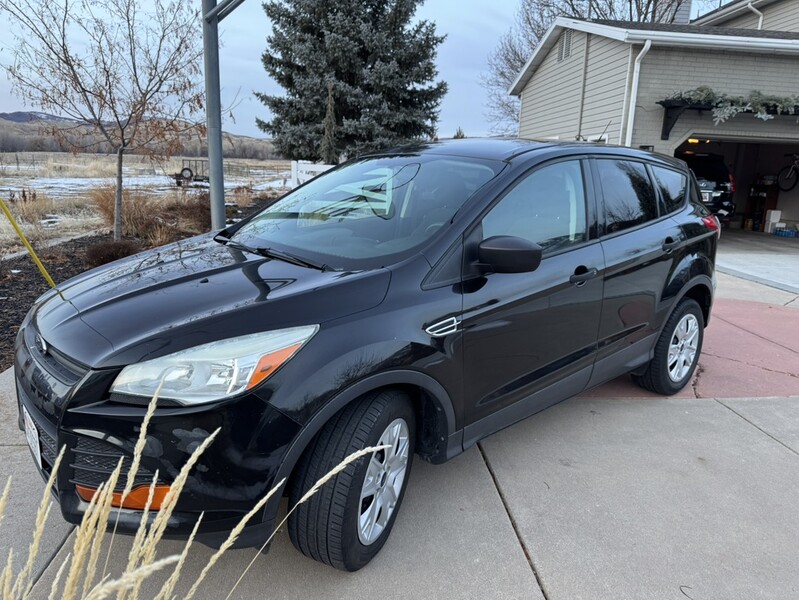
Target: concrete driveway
760,257
615,494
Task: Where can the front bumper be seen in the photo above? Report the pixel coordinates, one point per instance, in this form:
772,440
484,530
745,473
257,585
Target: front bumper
70,407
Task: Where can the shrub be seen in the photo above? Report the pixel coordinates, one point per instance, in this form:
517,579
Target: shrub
106,252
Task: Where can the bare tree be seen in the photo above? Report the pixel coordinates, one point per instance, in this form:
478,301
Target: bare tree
132,74
532,20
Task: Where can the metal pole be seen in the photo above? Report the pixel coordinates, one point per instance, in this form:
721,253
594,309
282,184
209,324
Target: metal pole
213,116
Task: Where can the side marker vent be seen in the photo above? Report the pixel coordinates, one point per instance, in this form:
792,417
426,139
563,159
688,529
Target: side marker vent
443,328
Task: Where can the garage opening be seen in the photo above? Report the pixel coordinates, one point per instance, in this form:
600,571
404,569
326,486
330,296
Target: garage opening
745,174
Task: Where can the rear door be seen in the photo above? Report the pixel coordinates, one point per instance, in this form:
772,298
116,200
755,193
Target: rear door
639,241
530,338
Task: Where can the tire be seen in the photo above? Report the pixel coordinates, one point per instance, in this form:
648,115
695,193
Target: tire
787,178
187,174
663,374
326,527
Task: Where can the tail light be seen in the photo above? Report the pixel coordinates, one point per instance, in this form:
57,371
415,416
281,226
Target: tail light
732,183
712,223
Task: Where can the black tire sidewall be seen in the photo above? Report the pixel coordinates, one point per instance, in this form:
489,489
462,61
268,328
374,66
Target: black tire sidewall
356,554
686,306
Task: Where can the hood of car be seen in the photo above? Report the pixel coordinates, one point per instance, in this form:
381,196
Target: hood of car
190,293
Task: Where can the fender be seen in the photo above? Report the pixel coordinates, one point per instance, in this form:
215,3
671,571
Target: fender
703,280
450,438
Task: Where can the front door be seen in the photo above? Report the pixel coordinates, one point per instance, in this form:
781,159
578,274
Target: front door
530,338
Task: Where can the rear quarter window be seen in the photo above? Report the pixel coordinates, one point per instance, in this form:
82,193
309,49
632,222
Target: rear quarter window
629,198
672,187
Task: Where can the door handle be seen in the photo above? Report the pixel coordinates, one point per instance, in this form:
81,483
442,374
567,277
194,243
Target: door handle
582,274
670,244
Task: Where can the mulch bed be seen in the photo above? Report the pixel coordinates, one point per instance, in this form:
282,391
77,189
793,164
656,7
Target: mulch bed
21,283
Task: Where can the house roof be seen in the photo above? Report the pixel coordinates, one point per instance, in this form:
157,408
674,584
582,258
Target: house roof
663,35
730,10
702,29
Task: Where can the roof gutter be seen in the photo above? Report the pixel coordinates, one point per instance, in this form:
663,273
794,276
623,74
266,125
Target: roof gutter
759,14
628,138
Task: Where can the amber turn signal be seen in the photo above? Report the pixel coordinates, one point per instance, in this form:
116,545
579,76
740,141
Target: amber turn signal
269,364
136,499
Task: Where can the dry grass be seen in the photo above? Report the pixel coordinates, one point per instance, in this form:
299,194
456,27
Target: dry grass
79,569
156,219
85,165
36,214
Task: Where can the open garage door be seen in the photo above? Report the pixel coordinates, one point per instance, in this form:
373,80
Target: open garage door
744,173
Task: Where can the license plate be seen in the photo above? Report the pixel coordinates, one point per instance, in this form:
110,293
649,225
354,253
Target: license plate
706,196
32,434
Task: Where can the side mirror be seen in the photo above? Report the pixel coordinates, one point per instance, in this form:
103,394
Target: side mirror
509,254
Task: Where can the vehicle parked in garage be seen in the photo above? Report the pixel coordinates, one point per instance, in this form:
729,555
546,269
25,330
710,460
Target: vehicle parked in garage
422,298
716,183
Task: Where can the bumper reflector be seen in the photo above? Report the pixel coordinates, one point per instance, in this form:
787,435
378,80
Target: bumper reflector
136,499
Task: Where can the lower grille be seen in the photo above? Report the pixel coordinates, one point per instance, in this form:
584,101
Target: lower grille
49,448
95,460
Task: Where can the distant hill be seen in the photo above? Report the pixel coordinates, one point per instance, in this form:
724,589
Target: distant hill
30,131
32,116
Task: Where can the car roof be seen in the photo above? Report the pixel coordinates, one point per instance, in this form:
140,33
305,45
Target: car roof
507,148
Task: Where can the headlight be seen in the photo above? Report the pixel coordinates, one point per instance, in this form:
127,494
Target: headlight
216,370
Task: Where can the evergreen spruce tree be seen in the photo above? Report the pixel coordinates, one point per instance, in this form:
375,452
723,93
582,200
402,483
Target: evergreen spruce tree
381,66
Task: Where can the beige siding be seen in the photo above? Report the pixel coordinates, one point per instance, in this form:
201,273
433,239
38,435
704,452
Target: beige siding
779,16
551,100
665,71
608,62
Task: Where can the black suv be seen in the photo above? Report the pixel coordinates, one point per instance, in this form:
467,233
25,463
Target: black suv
716,183
422,298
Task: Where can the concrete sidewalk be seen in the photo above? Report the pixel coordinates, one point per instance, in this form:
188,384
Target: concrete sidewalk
615,494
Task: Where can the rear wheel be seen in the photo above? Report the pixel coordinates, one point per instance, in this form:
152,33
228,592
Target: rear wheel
347,522
676,352
787,178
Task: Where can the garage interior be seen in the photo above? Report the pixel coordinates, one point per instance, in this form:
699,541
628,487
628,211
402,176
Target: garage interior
754,167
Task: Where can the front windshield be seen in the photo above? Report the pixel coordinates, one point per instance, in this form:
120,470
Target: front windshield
370,212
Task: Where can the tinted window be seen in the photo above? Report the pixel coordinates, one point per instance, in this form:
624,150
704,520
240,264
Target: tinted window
370,212
628,193
711,168
547,207
672,187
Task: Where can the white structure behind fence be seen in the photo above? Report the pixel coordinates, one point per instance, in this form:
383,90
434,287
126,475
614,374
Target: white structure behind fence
303,170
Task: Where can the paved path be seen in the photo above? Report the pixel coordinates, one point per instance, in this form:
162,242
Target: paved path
616,494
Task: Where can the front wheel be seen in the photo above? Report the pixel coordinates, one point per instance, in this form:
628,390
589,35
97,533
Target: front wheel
347,522
787,178
676,352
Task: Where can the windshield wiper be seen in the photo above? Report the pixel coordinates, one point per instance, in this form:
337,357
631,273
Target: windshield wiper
273,254
233,244
292,258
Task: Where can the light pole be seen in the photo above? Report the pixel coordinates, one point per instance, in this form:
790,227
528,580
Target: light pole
213,13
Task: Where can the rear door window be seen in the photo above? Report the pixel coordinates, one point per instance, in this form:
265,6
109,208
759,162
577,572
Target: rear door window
672,187
629,198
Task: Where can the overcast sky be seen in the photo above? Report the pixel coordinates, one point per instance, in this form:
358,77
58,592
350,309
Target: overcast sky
472,28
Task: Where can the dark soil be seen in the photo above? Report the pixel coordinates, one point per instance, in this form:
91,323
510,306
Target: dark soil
21,283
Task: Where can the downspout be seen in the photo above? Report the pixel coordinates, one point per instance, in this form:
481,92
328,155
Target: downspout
623,115
582,88
759,14
634,92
